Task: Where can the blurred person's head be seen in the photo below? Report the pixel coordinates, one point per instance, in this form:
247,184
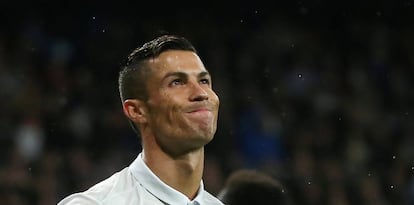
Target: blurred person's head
253,187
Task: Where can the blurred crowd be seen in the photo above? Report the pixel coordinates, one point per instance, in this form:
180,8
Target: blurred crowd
323,104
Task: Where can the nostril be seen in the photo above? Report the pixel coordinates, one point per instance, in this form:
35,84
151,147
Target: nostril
200,97
199,93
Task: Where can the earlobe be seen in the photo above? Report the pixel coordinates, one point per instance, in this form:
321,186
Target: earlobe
134,109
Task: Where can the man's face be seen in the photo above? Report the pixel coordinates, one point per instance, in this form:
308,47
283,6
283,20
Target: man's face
182,106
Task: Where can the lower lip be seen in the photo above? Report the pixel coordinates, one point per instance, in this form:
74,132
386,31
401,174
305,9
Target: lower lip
201,113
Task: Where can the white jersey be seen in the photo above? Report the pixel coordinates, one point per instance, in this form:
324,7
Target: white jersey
137,185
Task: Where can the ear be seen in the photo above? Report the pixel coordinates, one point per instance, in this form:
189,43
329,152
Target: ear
135,110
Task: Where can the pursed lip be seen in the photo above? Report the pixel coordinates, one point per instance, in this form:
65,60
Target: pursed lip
202,114
199,109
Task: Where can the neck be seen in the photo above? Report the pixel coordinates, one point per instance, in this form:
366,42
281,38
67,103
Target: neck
182,173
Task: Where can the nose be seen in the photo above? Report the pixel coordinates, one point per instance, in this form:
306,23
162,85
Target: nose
198,93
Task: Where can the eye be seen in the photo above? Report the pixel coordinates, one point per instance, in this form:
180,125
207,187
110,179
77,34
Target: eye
176,82
205,81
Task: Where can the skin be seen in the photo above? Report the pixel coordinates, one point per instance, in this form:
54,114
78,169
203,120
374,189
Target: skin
178,119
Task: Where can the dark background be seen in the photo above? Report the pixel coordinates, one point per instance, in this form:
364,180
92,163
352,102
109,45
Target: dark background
317,94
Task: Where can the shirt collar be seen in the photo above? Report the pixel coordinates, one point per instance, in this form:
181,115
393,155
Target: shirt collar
158,188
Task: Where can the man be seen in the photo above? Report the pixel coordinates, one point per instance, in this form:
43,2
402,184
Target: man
167,96
246,186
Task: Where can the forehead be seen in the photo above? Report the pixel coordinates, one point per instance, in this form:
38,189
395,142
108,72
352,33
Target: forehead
177,61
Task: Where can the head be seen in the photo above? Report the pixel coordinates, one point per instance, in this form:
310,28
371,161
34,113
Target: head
167,94
252,187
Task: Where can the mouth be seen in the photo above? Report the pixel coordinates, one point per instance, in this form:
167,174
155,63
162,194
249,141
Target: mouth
200,112
199,108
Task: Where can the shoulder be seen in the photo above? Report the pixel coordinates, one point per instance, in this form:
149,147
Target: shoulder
119,184
79,199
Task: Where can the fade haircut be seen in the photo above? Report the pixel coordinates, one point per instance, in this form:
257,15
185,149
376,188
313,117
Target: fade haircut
134,71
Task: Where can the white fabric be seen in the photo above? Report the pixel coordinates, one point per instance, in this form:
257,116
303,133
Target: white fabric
136,185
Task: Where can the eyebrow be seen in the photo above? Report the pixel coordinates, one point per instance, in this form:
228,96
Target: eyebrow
182,74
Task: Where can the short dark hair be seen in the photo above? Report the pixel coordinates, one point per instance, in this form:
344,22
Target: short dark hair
253,187
134,70
133,73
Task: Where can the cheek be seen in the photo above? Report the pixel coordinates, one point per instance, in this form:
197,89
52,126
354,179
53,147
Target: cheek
165,110
215,99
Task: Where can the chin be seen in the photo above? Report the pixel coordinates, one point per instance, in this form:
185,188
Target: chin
203,139
207,134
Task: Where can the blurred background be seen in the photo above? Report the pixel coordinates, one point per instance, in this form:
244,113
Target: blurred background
317,94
